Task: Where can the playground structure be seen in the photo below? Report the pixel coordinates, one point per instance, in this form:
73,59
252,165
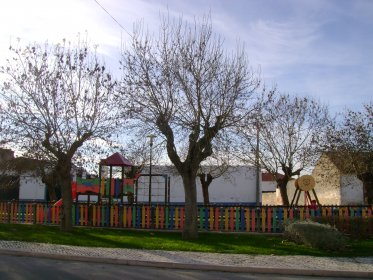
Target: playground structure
305,183
117,180
115,185
160,188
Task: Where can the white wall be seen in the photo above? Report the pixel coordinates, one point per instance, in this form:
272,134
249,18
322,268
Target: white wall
31,187
327,178
351,190
268,186
239,187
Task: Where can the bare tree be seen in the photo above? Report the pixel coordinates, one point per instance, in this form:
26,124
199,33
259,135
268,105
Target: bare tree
183,86
55,99
290,131
350,142
219,164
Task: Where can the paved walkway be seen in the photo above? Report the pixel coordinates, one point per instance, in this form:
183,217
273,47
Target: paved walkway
290,265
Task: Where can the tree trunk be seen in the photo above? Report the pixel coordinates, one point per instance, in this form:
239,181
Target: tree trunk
367,179
191,214
205,183
282,185
66,222
368,192
63,169
51,192
49,179
205,192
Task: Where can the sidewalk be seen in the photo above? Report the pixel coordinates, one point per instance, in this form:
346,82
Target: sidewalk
287,265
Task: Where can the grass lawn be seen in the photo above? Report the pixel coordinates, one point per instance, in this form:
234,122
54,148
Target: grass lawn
156,240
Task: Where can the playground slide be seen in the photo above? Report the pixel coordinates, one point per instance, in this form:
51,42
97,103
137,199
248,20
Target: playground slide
58,203
73,187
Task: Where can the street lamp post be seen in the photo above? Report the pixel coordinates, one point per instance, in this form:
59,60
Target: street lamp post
151,137
257,164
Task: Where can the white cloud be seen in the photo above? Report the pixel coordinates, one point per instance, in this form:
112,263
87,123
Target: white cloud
52,21
308,46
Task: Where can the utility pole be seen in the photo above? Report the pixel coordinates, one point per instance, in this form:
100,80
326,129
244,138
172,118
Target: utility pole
257,165
151,137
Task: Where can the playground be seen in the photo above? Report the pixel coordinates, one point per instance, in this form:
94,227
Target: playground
123,197
120,182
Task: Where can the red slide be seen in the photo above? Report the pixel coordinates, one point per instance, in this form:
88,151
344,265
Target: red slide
73,188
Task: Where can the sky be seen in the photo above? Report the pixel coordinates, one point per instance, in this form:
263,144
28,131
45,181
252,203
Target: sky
317,48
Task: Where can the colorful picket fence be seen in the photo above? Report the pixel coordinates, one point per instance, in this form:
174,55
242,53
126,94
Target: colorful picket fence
171,217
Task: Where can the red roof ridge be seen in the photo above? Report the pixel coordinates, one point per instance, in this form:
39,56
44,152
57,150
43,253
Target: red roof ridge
116,159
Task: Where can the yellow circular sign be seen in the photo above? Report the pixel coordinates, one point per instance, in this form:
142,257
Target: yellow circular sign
306,183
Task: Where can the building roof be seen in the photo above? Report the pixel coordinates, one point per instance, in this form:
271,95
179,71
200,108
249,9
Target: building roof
116,160
23,164
20,164
269,177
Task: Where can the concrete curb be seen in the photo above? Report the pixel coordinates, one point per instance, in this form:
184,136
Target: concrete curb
203,267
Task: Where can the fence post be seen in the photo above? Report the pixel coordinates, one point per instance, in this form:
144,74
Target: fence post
167,217
242,218
138,216
211,216
201,216
274,220
34,214
162,217
9,211
369,214
171,218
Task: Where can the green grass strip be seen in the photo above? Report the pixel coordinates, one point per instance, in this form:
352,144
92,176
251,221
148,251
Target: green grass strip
264,244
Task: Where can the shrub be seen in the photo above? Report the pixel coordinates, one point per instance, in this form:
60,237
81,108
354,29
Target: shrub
357,227
315,235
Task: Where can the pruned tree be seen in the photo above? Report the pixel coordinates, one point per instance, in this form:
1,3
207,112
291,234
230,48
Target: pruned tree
350,142
219,164
54,100
289,133
184,87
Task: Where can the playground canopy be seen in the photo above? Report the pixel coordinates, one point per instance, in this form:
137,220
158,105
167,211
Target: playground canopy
116,160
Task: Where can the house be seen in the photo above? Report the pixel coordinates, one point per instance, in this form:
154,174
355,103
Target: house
270,192
337,181
20,178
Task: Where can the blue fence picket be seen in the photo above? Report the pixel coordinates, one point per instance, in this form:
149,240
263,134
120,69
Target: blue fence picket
172,213
206,218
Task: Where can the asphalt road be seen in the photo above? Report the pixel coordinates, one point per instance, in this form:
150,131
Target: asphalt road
16,267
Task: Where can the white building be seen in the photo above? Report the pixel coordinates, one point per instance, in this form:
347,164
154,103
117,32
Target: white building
31,187
336,184
239,186
29,183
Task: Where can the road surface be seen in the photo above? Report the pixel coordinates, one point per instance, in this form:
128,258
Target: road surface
30,268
